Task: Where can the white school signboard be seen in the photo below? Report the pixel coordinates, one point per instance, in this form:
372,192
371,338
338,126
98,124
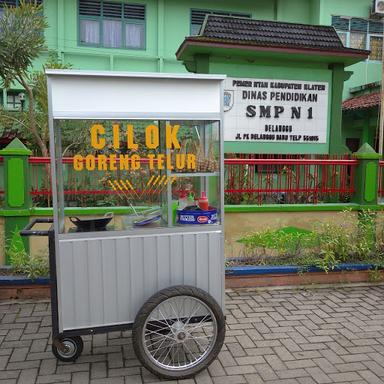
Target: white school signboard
275,111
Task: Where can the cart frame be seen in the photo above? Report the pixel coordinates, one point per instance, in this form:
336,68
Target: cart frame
182,244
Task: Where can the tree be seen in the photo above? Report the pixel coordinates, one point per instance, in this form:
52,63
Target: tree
21,42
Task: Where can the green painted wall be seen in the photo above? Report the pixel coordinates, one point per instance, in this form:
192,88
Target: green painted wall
168,22
361,125
364,72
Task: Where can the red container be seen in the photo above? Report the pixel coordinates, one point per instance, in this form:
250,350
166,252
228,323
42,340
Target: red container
203,202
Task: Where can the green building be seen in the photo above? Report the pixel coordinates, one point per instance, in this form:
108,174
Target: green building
144,35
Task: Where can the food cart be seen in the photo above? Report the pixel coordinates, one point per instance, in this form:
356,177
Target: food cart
150,147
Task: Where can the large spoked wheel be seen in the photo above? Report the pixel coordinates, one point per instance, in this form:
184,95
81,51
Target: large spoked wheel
178,332
67,348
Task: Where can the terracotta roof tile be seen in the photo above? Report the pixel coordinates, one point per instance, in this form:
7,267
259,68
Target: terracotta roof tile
368,100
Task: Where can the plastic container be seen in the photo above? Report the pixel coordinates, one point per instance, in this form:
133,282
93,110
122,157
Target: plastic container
183,200
195,215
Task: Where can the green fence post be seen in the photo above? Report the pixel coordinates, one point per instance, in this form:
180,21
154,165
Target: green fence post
366,177
17,199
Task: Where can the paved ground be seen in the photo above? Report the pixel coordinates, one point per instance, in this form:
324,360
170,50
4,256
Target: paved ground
277,336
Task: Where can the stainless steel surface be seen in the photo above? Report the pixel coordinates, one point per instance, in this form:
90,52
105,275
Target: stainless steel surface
156,75
104,278
135,116
105,281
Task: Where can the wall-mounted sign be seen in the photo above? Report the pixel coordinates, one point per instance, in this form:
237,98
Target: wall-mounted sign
285,111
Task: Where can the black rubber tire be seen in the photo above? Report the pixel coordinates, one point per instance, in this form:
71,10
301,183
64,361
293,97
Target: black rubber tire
78,344
150,305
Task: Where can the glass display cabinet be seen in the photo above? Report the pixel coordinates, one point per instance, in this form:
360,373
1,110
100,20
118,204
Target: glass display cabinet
142,248
160,173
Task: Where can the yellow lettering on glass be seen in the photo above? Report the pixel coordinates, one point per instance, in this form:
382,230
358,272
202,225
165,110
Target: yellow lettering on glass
96,142
152,136
171,136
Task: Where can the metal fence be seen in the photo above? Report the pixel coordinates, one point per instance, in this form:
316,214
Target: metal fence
248,180
289,180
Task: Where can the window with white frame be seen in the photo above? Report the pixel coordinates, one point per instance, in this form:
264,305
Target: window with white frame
111,24
360,34
198,16
13,101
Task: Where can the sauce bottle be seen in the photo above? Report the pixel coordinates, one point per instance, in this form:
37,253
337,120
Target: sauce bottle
203,201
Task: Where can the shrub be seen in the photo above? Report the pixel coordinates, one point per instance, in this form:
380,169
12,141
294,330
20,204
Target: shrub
22,263
348,240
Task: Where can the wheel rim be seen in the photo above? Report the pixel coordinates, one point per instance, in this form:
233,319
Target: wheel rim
179,333
69,348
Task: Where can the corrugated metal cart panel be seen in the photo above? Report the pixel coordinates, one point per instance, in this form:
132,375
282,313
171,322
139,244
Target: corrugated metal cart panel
106,280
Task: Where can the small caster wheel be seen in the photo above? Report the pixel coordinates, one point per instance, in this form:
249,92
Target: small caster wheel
67,348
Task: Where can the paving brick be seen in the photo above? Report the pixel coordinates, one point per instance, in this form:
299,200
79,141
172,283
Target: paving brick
292,373
115,360
266,372
374,367
69,368
216,369
254,378
27,376
14,334
236,350
5,375
319,375
24,364
303,337
306,380
348,367
136,379
235,379
345,377
226,359
283,353
123,371
113,380
19,354
370,377
48,379
275,362
80,378
249,360
39,345
240,369
326,365
305,363
99,370
47,367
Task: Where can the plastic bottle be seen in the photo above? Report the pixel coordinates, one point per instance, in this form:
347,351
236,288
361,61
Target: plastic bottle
203,202
183,200
191,199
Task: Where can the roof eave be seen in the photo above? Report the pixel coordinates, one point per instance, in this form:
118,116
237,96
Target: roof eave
352,56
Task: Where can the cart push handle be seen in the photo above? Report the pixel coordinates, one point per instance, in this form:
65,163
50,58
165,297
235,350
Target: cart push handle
28,231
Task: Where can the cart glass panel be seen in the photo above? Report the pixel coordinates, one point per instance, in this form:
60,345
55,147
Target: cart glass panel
137,173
